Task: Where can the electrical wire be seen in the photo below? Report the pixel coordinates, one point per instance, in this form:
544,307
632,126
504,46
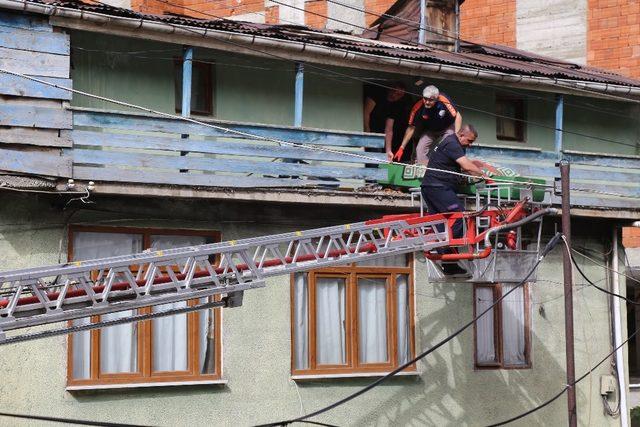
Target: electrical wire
250,135
550,245
584,135
67,420
558,395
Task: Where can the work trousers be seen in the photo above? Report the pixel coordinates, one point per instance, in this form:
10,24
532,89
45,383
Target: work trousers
427,142
442,198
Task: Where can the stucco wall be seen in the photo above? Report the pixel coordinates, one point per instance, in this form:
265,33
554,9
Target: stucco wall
256,341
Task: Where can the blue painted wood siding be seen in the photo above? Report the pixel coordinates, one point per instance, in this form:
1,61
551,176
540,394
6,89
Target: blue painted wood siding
593,175
33,120
127,147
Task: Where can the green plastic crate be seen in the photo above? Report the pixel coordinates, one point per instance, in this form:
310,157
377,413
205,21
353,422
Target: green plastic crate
411,176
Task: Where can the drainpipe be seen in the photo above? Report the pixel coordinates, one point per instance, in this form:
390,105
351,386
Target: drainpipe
559,122
187,73
456,47
617,336
423,22
298,96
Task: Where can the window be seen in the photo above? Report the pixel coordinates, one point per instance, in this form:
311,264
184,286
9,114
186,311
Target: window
502,335
201,88
178,348
353,319
510,125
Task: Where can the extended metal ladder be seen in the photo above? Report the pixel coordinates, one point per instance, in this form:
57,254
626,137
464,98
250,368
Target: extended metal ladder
43,295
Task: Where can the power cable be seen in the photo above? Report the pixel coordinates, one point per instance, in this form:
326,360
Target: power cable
381,85
584,135
247,134
67,420
550,245
558,395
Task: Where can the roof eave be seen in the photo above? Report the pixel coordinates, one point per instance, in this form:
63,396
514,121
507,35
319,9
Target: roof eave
304,51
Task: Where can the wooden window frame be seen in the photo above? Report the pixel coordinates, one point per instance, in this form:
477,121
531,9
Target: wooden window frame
146,374
353,366
207,70
498,336
519,118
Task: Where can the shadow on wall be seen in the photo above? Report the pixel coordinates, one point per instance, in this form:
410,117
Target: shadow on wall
452,392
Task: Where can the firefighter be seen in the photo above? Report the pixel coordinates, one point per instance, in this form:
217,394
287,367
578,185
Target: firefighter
435,117
439,184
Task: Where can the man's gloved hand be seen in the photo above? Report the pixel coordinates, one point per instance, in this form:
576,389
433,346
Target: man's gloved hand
398,156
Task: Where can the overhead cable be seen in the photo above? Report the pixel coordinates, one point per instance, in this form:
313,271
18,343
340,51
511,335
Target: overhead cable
479,110
550,245
247,134
73,421
559,394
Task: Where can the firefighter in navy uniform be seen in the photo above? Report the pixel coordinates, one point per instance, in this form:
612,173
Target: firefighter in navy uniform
439,187
432,118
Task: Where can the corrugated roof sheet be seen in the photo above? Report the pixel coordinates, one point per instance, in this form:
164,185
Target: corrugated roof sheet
486,57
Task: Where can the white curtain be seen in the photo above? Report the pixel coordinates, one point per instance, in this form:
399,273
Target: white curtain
330,321
513,326
169,339
301,320
485,343
207,329
81,357
403,327
372,320
118,345
118,349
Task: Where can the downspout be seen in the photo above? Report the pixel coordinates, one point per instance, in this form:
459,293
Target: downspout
187,73
456,47
422,32
617,324
559,125
298,95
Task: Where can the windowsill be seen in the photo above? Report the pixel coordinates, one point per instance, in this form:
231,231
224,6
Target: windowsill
634,386
352,375
144,385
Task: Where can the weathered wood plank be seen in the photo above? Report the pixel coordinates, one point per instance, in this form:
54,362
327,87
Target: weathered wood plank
34,41
30,136
18,86
34,64
190,179
235,147
35,162
142,123
29,22
33,116
623,162
111,158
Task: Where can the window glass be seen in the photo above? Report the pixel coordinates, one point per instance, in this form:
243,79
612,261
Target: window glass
169,339
513,326
119,345
510,118
372,319
330,321
485,326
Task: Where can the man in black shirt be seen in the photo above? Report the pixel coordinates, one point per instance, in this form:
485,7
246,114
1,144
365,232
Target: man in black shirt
386,110
439,184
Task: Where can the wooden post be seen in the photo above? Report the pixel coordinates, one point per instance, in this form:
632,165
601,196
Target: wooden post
568,294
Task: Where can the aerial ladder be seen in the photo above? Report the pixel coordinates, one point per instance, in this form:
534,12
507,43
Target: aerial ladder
219,273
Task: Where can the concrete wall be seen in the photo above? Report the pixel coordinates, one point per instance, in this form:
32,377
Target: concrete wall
555,28
256,341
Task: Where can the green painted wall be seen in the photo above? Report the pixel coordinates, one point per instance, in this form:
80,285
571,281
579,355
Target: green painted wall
256,337
261,90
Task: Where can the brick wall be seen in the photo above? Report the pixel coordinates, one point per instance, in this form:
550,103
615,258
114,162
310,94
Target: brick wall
613,39
489,21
